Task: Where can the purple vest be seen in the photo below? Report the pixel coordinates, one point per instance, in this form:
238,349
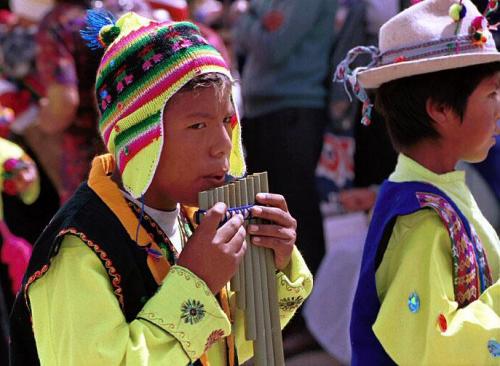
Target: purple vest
397,199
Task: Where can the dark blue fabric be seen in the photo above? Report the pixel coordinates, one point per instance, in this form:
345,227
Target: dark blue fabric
395,199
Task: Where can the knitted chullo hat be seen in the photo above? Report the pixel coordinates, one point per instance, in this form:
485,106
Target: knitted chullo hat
144,64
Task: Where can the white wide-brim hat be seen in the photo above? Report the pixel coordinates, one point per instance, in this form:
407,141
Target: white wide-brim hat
424,38
433,35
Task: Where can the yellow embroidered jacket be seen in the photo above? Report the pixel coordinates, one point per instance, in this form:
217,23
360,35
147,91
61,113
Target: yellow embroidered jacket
418,261
84,324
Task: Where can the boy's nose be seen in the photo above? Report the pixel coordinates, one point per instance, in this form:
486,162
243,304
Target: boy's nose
222,143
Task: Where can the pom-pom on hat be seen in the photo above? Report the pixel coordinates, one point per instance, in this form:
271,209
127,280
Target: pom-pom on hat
144,64
430,36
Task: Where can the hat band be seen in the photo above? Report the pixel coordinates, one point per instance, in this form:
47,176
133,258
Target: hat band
441,47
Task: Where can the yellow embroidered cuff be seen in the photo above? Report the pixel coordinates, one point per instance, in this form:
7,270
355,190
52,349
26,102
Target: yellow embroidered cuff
185,308
294,285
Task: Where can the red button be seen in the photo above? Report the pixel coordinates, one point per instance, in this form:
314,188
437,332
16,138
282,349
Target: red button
443,324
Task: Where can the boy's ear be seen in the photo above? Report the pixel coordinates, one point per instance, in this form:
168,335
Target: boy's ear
442,115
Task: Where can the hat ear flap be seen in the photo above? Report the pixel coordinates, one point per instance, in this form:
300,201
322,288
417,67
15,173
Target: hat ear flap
237,166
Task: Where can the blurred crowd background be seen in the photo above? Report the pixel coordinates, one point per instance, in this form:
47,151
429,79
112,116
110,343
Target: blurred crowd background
297,125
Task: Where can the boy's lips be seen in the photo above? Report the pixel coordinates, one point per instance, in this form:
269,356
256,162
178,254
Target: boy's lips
214,180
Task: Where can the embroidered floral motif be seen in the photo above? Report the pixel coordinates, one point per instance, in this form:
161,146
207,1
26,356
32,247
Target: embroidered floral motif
290,303
213,338
471,273
192,311
113,274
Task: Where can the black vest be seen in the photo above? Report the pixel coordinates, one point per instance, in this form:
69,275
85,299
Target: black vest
85,213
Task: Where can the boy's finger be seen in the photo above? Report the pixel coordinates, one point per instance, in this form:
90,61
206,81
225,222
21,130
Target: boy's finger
282,249
276,215
213,217
272,199
270,230
227,231
237,244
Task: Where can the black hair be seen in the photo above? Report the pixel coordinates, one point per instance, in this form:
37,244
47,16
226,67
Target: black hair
220,82
402,102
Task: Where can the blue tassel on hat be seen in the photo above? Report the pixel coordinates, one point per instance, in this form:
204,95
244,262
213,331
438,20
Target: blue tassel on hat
101,29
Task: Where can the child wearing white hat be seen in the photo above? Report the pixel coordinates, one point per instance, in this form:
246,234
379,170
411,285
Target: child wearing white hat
429,288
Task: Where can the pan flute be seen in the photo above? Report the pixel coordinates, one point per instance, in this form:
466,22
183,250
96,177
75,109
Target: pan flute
255,282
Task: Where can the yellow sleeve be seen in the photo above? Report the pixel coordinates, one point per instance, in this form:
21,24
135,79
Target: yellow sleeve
419,260
293,285
77,319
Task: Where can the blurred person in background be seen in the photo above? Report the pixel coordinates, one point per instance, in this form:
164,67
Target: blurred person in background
20,92
68,110
287,47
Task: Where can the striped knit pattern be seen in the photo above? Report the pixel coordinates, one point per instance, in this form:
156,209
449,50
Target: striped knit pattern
140,71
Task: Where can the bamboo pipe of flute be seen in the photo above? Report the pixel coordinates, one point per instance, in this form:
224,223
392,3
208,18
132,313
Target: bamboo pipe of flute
250,326
277,340
235,281
241,298
260,345
265,278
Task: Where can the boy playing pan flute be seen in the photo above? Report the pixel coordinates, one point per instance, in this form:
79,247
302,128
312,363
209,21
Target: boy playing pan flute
119,277
429,287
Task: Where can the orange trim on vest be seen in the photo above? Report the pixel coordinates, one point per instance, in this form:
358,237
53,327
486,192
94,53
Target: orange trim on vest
101,183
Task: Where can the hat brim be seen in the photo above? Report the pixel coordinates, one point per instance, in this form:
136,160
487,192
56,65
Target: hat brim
374,77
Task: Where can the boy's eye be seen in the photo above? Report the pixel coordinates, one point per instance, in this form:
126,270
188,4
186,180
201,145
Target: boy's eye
227,120
197,126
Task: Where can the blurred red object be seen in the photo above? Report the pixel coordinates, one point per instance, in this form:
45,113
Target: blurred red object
178,9
18,101
7,17
6,118
15,253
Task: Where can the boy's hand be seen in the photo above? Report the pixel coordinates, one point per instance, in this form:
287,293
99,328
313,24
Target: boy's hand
280,234
213,253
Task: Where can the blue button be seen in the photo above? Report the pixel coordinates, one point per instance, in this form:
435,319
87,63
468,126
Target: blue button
414,302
